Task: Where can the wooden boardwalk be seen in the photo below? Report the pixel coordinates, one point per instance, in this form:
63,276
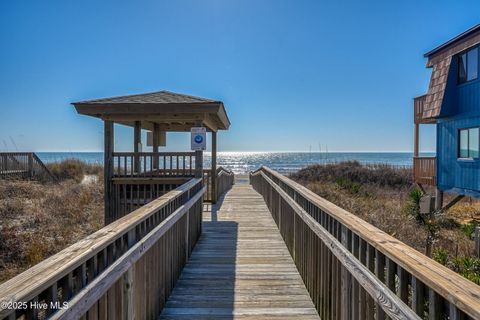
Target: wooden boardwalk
240,268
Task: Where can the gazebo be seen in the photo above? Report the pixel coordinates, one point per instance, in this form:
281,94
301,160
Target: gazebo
133,179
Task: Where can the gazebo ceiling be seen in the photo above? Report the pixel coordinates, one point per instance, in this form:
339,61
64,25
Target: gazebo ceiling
172,111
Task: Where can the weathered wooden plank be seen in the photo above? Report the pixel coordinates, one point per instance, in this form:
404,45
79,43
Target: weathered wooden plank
240,267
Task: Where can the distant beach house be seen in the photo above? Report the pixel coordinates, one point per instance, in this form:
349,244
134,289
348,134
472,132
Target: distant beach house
453,105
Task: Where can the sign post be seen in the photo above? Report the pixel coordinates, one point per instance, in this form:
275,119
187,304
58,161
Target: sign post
198,143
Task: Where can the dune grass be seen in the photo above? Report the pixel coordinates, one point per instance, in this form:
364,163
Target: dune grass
73,169
381,195
38,219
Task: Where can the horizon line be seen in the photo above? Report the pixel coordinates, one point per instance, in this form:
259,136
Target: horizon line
237,151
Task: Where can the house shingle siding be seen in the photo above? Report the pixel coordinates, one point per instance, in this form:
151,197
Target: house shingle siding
440,64
436,90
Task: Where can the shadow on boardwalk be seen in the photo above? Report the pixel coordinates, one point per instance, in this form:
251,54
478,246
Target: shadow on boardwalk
240,268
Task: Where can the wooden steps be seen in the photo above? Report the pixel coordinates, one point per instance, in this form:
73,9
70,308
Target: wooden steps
240,267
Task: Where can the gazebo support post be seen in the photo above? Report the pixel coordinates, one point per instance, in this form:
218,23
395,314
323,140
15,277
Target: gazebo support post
214,167
155,143
136,146
108,169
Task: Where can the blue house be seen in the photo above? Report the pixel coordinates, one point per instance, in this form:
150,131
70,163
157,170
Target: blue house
453,104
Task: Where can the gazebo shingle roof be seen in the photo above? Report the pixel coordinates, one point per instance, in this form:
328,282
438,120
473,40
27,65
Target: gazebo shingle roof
159,97
173,111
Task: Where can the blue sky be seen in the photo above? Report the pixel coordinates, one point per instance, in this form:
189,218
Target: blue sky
292,74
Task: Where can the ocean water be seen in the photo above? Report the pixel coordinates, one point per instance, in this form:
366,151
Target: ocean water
284,162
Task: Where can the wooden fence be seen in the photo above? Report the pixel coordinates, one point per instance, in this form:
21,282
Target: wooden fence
23,165
126,270
353,270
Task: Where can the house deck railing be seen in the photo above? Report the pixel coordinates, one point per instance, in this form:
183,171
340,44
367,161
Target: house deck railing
419,104
425,170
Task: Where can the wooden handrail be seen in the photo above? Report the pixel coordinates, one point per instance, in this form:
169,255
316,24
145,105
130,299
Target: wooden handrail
405,271
225,180
42,165
86,259
84,300
224,171
390,303
23,165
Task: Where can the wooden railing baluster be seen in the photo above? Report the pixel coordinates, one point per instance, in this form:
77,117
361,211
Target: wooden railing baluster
360,268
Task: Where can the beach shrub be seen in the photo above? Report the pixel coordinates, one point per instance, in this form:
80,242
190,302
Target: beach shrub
353,171
10,244
441,256
68,169
73,169
431,221
385,197
353,187
467,266
412,208
18,189
38,220
469,228
36,249
12,207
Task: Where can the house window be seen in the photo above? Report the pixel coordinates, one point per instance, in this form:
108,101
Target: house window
469,143
468,65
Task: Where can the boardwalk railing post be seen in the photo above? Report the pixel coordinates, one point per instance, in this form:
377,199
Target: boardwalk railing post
128,277
187,233
214,167
345,287
280,216
30,165
108,169
128,294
